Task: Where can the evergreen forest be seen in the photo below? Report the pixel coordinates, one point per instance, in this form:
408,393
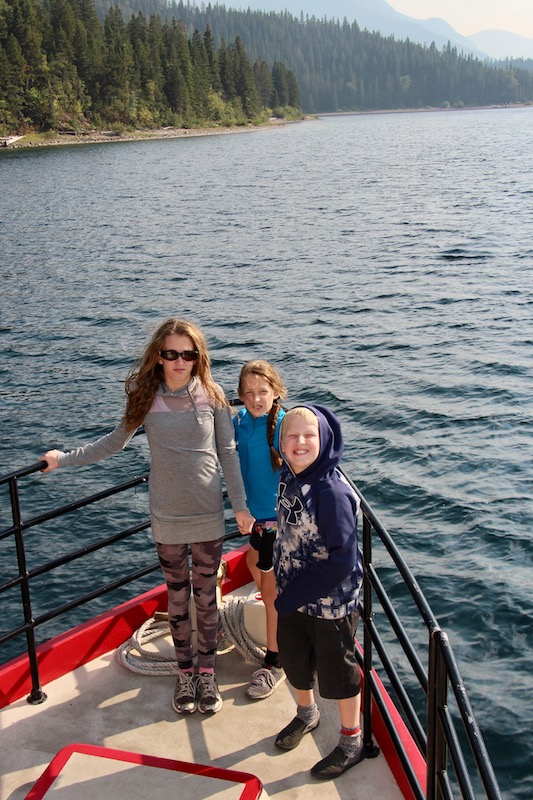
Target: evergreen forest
77,64
62,68
342,68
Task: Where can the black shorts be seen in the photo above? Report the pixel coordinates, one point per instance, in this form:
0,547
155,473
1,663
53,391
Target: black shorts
262,539
310,646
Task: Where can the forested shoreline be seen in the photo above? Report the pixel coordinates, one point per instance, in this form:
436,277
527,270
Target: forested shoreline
74,65
341,67
62,69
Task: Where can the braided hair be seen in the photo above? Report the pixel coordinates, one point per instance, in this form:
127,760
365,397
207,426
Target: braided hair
265,370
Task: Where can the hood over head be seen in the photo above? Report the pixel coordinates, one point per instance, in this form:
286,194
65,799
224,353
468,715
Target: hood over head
331,444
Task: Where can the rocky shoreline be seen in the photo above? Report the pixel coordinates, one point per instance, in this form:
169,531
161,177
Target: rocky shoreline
95,137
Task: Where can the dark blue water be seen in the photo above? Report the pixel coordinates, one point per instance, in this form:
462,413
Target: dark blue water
383,262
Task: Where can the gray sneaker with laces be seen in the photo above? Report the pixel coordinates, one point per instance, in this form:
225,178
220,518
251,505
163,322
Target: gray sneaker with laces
265,681
209,699
184,700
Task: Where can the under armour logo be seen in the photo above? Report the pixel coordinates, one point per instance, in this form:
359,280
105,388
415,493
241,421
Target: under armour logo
294,508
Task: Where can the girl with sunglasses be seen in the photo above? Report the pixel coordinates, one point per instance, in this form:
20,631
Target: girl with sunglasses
188,423
257,433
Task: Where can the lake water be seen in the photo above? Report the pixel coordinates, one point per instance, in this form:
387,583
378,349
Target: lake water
383,262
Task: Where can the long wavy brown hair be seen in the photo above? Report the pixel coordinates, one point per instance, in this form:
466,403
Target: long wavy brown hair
147,374
265,370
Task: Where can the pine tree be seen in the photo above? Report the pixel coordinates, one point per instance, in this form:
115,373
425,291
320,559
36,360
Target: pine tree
264,82
177,70
200,75
89,46
59,33
281,84
212,60
13,67
118,103
245,87
227,73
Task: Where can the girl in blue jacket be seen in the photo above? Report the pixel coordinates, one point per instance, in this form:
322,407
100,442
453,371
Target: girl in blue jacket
257,436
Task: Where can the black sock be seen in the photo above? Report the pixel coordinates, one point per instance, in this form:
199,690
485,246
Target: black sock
272,659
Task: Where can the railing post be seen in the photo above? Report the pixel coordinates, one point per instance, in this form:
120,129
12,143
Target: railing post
367,639
437,697
37,695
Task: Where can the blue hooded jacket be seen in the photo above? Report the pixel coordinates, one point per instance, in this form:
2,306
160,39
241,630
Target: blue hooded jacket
316,558
260,480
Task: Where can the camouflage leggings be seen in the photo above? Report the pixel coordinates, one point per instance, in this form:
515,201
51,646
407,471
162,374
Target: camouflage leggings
174,560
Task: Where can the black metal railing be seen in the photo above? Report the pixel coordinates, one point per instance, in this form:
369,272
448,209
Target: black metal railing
446,707
434,727
24,577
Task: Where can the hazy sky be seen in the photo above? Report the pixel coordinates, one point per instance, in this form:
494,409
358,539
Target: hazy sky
472,16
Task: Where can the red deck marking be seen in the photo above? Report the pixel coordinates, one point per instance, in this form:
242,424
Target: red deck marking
251,790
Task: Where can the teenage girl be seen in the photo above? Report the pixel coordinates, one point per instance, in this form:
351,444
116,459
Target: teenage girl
257,434
189,428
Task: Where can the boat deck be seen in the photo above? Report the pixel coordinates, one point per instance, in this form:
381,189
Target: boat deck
105,704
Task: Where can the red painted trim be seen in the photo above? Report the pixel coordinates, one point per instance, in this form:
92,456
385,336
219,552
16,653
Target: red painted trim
237,572
382,737
251,791
109,630
81,644
105,632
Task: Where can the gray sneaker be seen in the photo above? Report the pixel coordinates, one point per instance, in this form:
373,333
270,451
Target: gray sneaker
265,681
209,698
184,700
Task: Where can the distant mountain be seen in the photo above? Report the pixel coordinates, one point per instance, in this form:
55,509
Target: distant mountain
375,15
501,44
378,15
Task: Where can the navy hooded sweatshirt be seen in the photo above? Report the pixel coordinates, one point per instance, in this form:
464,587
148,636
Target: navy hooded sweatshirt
316,558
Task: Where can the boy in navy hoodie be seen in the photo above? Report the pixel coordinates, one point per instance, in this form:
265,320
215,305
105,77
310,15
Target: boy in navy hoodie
318,574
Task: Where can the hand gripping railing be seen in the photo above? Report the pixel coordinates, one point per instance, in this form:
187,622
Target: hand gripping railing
25,576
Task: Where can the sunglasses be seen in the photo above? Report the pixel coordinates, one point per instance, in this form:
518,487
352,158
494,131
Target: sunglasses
173,355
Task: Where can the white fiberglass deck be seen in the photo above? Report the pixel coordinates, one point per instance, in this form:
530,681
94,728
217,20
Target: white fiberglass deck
102,703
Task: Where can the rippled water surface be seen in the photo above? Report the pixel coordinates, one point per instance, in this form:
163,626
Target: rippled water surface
383,262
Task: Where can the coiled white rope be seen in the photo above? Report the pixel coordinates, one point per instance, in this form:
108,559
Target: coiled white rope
134,655
232,618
